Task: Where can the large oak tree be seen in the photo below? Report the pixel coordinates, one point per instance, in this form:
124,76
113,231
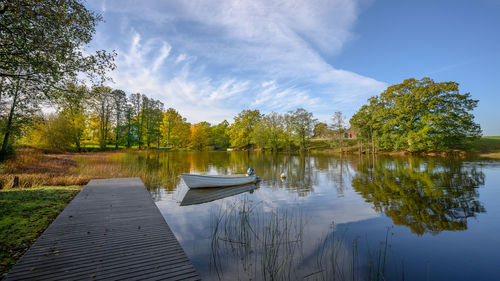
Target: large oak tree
419,115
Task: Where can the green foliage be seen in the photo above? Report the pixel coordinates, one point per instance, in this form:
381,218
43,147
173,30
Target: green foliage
147,119
270,132
339,130
242,130
181,135
72,104
418,115
320,130
24,215
200,134
54,132
219,136
120,100
20,101
171,121
41,41
302,123
103,106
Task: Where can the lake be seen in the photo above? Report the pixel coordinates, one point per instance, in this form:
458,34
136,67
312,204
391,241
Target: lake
332,218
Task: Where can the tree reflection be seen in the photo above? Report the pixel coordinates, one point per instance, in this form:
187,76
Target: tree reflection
429,196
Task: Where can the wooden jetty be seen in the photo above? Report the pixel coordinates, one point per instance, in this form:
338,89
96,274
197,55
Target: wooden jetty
111,230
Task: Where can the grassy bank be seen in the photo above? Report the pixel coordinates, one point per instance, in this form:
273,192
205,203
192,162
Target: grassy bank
24,214
488,147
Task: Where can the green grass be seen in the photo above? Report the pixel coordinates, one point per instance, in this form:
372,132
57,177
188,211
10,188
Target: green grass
24,215
486,144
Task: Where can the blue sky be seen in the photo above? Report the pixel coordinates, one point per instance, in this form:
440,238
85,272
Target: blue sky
210,59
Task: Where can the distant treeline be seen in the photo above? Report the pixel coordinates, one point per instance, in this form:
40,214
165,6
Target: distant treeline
417,115
104,117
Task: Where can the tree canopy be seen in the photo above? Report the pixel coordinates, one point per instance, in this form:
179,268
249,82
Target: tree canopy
41,48
242,130
42,40
418,115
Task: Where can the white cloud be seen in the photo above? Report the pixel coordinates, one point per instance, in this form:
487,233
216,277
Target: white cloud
230,55
180,58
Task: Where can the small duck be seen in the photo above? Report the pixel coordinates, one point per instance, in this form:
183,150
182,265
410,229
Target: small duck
282,176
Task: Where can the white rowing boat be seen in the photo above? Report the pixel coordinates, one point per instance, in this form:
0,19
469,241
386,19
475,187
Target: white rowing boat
203,181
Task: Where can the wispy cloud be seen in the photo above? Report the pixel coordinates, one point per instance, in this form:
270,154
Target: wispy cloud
212,58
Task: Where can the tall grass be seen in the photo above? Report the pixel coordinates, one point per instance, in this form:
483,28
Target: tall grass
255,245
30,167
266,247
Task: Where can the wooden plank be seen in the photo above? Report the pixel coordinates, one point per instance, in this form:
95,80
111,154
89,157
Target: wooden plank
111,230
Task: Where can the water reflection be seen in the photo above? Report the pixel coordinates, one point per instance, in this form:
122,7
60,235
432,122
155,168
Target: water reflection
425,195
204,195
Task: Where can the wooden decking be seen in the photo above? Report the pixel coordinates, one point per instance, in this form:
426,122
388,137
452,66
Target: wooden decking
112,230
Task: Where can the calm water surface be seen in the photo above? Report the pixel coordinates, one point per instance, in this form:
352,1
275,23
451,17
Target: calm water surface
333,218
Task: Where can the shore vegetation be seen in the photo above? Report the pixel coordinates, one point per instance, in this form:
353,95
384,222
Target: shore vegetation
24,214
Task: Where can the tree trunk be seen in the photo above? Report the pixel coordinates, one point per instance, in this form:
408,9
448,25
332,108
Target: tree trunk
117,136
8,127
168,136
128,134
77,143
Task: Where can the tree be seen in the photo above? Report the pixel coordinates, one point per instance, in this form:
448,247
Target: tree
129,115
154,124
72,106
200,134
420,115
52,133
103,105
120,101
320,130
41,41
171,119
219,136
241,131
151,117
302,123
364,121
136,104
339,129
181,134
289,127
270,131
18,106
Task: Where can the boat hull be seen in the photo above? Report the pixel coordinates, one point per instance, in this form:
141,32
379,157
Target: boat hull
203,195
204,181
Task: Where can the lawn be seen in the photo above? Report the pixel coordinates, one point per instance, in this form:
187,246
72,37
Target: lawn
488,147
25,214
486,144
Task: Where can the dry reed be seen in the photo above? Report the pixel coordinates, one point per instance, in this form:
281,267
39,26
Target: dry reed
30,167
